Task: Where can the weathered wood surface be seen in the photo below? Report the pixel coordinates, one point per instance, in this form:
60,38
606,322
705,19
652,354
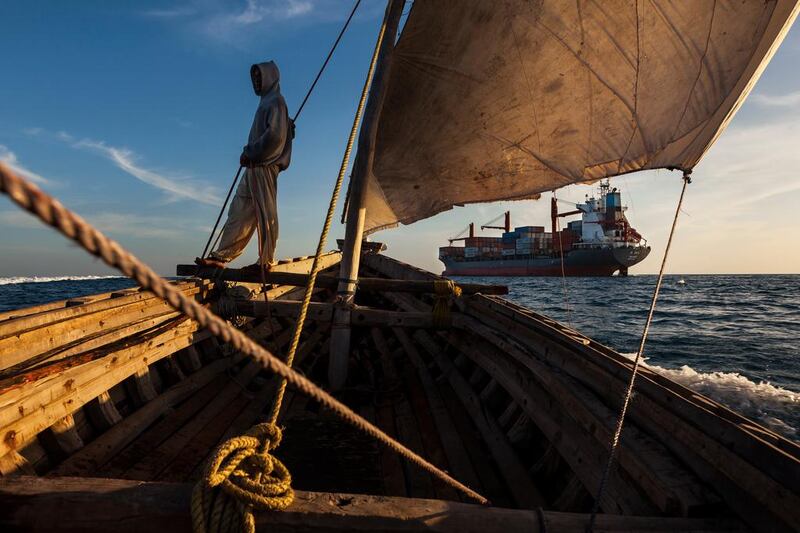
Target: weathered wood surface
750,474
99,505
525,493
755,471
324,312
253,275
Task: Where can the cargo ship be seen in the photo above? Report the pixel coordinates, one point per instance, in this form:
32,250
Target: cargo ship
601,243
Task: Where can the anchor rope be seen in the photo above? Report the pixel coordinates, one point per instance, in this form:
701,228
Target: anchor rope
637,361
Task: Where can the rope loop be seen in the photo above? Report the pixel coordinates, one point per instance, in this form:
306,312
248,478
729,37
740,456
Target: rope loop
443,290
243,476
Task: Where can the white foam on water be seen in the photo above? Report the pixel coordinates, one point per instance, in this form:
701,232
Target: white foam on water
763,402
15,280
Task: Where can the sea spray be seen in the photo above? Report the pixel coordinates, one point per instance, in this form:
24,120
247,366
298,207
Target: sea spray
774,407
16,280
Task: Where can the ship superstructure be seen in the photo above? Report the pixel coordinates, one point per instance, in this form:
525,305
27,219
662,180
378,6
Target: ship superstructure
601,243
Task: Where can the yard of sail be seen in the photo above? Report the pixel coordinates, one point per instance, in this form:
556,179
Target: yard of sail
503,100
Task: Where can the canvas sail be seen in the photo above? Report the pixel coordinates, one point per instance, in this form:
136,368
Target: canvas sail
499,100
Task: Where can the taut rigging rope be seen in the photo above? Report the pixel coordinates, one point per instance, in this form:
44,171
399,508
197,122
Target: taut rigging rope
53,213
563,271
636,362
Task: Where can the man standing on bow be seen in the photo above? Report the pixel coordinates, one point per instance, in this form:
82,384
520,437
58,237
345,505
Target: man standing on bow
267,153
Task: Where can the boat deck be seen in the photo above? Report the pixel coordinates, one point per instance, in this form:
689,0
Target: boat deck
100,392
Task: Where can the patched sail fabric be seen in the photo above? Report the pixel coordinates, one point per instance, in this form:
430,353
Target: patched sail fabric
504,99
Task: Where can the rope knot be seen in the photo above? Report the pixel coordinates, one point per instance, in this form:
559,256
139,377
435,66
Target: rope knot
242,476
443,290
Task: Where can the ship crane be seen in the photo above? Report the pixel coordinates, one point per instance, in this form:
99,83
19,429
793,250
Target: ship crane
554,214
458,237
506,223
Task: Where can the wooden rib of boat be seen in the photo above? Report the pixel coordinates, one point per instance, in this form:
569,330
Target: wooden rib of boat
110,404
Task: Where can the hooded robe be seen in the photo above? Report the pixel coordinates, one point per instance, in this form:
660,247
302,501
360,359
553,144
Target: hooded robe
269,151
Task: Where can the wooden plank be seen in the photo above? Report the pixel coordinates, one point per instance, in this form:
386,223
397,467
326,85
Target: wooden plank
583,454
102,412
14,464
323,312
26,411
253,275
190,358
159,458
428,433
108,445
418,482
33,343
667,483
394,480
760,486
171,422
66,435
457,456
525,493
91,505
102,306
196,449
142,386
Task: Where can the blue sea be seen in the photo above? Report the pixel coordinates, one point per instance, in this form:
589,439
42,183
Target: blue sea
735,338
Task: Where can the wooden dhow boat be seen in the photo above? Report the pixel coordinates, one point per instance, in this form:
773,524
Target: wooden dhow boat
410,398
116,400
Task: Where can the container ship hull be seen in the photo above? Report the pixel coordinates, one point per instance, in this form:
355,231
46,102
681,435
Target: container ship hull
589,262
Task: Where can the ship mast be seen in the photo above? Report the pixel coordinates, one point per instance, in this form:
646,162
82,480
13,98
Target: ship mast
356,211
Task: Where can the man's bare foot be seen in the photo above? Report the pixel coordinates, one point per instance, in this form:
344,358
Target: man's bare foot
210,262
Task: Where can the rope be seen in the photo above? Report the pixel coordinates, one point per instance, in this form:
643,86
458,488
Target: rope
312,277
325,63
563,271
219,217
248,480
443,289
629,392
258,467
51,212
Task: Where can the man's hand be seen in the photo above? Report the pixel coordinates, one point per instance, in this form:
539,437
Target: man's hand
244,160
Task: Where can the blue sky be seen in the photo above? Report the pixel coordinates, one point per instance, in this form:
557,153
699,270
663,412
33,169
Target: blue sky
134,115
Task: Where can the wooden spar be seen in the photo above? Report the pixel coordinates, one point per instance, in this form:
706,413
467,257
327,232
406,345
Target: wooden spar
124,506
253,275
324,312
356,210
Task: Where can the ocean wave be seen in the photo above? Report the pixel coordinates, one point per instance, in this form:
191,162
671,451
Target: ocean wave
16,280
774,407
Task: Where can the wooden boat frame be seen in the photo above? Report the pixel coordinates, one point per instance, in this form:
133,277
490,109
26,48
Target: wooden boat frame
116,400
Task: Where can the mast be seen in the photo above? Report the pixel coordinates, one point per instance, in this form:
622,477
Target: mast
356,211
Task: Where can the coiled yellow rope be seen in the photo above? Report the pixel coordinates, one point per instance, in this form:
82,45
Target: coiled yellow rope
235,471
443,289
247,477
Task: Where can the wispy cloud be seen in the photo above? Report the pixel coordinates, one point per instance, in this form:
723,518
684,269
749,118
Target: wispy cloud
237,23
227,25
112,223
170,13
135,226
176,186
777,100
10,158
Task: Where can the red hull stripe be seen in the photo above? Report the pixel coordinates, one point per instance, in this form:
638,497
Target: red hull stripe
530,271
